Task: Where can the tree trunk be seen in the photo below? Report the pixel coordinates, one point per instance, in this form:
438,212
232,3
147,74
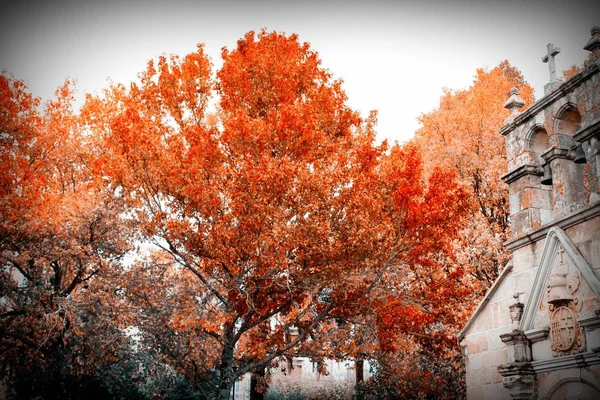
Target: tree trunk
226,380
257,384
224,391
359,370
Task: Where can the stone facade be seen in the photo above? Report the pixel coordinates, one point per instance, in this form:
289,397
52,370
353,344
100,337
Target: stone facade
536,334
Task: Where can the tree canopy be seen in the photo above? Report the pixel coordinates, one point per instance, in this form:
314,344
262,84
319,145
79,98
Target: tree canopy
213,223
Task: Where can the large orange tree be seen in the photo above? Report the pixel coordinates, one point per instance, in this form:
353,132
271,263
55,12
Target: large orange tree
274,211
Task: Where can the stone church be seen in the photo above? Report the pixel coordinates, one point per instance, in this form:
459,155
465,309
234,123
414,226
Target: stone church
536,333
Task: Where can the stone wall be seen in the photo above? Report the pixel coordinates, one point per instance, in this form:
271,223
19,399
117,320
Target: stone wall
536,334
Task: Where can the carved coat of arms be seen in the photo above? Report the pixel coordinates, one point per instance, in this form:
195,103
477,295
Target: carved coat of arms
566,334
565,331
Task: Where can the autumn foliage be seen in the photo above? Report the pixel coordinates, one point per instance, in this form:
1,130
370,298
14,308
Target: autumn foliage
59,240
462,134
224,222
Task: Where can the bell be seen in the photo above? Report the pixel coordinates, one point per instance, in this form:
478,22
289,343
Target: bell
547,178
579,155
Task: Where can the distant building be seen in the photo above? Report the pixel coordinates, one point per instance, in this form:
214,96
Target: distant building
304,376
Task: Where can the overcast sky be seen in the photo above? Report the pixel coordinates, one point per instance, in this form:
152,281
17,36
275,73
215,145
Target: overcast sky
394,56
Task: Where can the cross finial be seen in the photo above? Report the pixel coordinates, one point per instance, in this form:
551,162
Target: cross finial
549,58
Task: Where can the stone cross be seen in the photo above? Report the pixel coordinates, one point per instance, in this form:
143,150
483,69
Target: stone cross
549,58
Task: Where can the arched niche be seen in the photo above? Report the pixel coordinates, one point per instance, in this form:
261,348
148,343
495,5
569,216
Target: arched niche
567,120
569,191
574,388
538,142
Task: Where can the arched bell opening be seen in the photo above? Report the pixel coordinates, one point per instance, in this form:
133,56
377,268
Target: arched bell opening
537,143
569,181
567,121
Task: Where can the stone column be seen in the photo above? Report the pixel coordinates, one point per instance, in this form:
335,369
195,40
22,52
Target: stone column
530,205
568,187
518,375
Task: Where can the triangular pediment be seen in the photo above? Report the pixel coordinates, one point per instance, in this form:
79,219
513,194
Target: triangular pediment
560,258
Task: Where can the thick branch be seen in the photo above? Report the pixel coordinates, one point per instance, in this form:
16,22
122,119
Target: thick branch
20,269
277,353
246,325
75,280
183,261
13,313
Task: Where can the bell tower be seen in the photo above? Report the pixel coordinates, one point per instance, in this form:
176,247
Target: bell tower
529,190
536,333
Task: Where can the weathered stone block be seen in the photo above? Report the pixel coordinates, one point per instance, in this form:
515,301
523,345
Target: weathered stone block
524,281
495,391
514,201
481,376
594,255
541,350
585,231
496,357
523,258
546,216
474,392
476,343
484,322
525,221
568,191
477,361
493,336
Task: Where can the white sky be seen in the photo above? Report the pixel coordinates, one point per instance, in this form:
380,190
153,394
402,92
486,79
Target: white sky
394,56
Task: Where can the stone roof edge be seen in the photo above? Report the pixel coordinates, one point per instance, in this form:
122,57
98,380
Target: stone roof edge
587,133
566,222
521,171
555,237
509,266
564,89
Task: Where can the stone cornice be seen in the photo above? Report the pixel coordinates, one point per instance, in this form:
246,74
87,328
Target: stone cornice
536,335
513,337
590,323
573,219
522,171
554,153
587,133
564,89
571,361
514,369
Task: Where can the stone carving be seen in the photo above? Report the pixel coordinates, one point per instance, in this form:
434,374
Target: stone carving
516,309
565,332
567,336
573,283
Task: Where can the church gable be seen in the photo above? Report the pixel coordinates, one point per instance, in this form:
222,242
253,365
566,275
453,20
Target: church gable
565,289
